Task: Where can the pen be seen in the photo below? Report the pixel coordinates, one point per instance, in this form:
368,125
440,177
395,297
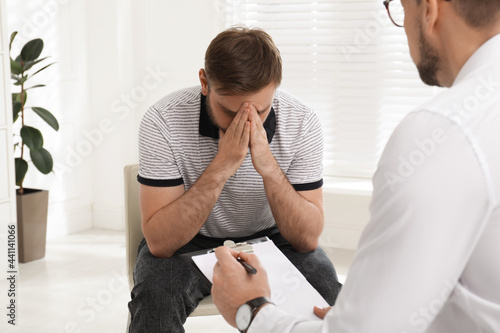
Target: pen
249,268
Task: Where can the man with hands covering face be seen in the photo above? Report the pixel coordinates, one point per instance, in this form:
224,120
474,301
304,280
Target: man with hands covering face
234,158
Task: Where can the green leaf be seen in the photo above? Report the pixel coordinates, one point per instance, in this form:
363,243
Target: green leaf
32,50
12,36
17,97
32,137
37,86
47,116
38,71
42,160
29,64
21,169
15,67
16,108
21,81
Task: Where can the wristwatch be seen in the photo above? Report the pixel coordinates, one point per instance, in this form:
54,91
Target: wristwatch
247,312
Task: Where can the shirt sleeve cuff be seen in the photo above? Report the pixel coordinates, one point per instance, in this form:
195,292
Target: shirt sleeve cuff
160,182
308,186
271,319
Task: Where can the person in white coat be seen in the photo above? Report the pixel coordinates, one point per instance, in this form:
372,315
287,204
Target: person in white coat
428,259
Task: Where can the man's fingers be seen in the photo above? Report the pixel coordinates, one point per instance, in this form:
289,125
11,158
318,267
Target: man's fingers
252,259
244,106
321,312
226,260
245,138
224,254
254,116
245,256
242,114
237,119
228,256
238,127
257,127
241,121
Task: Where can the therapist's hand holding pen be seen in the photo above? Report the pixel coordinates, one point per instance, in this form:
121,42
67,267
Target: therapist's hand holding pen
249,268
233,284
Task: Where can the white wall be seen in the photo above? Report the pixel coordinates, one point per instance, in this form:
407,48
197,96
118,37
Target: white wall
346,204
114,59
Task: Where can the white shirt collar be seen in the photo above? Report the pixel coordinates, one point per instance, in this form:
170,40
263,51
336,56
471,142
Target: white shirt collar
485,54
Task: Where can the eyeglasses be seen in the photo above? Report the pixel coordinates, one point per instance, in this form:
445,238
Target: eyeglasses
396,13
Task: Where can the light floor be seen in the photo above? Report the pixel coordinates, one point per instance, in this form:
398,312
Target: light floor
81,286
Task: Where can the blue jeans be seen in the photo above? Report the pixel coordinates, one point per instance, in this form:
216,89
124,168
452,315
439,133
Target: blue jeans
167,290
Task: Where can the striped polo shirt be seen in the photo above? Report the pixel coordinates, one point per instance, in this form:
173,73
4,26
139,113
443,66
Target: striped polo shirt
177,141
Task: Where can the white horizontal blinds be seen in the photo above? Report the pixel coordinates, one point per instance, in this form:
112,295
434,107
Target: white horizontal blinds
401,89
346,60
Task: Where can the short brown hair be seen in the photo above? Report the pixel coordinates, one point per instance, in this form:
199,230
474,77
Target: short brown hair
478,13
241,60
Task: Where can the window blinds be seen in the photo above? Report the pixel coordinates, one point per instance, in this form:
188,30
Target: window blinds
350,63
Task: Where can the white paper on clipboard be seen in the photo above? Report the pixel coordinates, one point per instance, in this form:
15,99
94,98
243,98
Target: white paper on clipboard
289,288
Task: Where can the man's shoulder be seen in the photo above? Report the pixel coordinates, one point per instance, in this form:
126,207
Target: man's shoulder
467,99
295,120
289,100
188,98
287,105
174,109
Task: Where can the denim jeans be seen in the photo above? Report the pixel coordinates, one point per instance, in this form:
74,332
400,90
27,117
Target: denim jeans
167,290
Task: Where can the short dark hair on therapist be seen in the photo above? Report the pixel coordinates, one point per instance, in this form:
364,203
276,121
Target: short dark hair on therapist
242,60
478,13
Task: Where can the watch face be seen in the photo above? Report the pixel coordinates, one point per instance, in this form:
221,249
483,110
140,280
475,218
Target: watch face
243,317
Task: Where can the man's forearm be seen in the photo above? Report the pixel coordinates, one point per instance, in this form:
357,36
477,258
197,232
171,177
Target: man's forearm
177,223
180,220
299,220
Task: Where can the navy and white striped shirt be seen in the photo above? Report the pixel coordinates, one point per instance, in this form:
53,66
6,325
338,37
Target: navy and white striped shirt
177,141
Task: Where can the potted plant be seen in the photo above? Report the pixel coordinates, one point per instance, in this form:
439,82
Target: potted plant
32,204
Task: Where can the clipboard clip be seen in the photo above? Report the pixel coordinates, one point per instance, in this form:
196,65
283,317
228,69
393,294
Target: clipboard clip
240,247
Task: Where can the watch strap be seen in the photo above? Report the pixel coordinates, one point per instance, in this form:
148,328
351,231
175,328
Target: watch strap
255,304
258,302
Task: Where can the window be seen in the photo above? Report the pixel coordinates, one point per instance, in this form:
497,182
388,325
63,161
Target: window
350,63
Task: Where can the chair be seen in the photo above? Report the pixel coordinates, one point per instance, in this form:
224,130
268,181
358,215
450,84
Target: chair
133,234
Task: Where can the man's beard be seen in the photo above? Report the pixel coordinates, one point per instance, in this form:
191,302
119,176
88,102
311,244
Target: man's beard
430,62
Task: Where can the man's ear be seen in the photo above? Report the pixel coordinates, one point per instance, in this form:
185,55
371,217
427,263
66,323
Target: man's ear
204,82
431,15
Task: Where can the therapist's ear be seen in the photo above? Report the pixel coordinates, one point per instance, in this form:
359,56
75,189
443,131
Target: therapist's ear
431,15
203,81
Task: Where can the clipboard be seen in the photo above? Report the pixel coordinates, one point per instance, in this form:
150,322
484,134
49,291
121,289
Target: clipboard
289,288
242,246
